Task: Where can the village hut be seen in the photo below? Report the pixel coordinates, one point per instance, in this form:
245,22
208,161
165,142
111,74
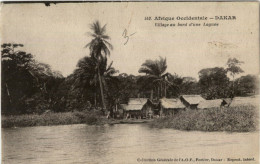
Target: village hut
170,106
217,103
150,108
134,107
191,101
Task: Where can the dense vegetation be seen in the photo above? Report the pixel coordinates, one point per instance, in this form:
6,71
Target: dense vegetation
28,86
32,87
233,119
47,119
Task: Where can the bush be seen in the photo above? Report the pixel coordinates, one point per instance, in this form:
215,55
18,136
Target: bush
233,119
88,117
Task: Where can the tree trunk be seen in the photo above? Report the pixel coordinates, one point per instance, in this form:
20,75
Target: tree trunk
95,101
165,90
8,93
158,91
95,95
101,90
233,87
151,97
161,91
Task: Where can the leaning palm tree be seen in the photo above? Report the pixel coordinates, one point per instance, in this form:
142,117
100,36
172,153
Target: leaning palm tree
156,75
99,49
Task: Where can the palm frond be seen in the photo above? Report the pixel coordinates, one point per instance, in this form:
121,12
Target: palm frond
92,34
145,70
150,67
105,37
154,67
105,49
90,44
162,65
96,27
109,66
111,72
109,45
103,29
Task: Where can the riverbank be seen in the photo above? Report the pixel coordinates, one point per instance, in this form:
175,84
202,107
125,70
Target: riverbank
232,119
47,119
66,118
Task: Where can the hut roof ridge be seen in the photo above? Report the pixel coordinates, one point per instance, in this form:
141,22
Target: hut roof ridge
171,103
216,103
193,99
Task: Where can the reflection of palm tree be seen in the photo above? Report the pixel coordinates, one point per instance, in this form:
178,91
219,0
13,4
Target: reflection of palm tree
99,49
87,73
155,75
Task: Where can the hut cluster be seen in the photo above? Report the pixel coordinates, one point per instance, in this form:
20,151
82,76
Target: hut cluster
147,108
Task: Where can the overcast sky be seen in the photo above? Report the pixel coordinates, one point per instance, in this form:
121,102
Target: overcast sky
56,35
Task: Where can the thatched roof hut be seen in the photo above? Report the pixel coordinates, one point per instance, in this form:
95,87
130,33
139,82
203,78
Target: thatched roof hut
134,104
170,106
210,104
171,103
134,107
191,101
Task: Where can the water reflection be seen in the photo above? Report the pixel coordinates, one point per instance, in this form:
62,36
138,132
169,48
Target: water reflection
119,144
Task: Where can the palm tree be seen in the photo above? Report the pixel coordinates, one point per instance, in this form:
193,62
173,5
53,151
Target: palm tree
87,75
110,83
99,49
156,75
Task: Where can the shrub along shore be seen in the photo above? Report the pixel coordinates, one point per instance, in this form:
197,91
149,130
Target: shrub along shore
47,119
231,119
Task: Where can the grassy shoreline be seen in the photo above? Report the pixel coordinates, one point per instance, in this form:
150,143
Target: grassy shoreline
230,119
48,119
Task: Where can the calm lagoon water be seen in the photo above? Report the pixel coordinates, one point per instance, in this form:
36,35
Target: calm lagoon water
122,143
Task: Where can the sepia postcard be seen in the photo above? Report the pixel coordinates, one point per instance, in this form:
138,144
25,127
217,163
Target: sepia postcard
130,82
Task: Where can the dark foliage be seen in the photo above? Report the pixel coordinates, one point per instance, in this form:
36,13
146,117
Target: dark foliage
246,85
32,87
214,83
27,85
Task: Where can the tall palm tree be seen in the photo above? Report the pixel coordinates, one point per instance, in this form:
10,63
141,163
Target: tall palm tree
99,49
156,75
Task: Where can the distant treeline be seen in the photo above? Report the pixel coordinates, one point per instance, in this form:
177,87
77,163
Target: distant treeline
29,86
